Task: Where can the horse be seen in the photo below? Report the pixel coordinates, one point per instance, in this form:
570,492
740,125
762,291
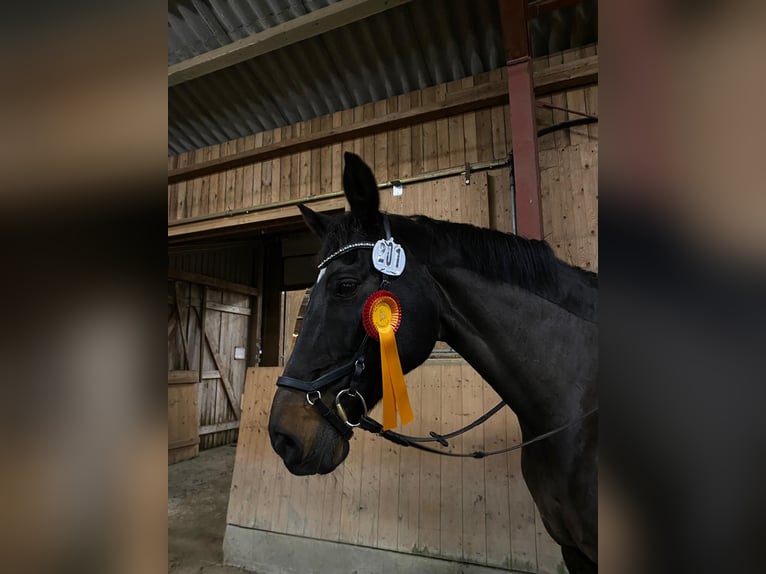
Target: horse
523,319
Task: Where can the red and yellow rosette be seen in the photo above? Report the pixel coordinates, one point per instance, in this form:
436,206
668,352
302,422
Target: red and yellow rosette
381,317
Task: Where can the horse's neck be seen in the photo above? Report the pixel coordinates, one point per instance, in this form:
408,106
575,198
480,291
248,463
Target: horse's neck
538,356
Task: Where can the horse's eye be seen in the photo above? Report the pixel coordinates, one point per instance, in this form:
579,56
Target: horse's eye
347,288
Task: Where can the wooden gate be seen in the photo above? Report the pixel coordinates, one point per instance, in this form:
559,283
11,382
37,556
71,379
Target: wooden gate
392,498
224,345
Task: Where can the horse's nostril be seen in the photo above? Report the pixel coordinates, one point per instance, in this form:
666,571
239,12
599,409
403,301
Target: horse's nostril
287,446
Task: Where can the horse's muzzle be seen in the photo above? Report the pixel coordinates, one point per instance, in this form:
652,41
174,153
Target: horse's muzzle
320,460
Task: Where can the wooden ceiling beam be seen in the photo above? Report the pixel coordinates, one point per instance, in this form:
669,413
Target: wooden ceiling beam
334,16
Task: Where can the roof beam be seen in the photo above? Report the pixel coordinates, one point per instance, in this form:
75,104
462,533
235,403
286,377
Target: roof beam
296,30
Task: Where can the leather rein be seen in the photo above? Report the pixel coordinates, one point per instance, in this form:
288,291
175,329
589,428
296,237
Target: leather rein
338,418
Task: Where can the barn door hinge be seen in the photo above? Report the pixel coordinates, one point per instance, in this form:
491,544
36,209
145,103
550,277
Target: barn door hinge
467,174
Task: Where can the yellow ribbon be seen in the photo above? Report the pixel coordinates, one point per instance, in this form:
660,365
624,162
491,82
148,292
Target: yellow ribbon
394,387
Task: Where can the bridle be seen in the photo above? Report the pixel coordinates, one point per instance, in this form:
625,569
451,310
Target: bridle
338,417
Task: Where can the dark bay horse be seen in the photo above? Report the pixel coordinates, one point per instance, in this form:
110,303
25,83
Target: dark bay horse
526,321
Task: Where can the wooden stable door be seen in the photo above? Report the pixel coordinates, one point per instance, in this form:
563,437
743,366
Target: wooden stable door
224,345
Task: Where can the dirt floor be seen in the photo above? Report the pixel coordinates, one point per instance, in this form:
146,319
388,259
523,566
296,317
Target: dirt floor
198,493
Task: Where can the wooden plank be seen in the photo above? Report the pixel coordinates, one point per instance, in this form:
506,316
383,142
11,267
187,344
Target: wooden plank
320,157
368,112
196,186
209,337
184,341
549,559
429,501
180,454
256,403
182,377
498,532
248,175
240,331
204,199
392,145
264,378
351,497
224,352
370,488
218,427
334,181
235,309
212,402
314,508
324,159
469,130
180,208
560,138
457,126
474,495
304,188
409,471
172,191
416,147
380,165
214,183
308,25
172,323
267,171
404,140
483,129
287,165
358,115
242,483
442,131
451,530
201,279
582,72
182,443
388,508
202,317
521,507
575,100
331,486
183,421
430,151
231,177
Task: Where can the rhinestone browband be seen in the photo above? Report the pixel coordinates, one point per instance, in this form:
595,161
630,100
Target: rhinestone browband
345,249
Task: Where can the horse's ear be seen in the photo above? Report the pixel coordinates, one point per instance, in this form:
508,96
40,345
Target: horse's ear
318,222
361,189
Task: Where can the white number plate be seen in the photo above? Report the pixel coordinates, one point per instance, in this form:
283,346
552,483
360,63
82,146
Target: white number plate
388,257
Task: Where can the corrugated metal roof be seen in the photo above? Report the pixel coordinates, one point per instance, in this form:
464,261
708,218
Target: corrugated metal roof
198,26
410,47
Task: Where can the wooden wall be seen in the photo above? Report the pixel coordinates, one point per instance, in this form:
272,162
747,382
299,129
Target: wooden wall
568,159
235,264
569,172
394,498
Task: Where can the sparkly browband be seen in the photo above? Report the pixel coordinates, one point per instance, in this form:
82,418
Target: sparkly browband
345,249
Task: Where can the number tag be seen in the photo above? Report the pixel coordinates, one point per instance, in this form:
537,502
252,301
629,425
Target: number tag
388,257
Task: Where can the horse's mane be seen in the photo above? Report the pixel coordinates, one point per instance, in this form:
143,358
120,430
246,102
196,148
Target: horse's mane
528,263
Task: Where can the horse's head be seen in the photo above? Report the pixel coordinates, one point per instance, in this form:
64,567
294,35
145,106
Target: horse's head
332,331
